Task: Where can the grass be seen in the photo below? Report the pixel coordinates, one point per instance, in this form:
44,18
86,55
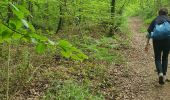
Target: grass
63,79
69,90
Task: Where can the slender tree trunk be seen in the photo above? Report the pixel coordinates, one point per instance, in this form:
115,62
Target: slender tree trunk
113,8
60,23
30,8
78,21
111,32
9,13
46,16
142,4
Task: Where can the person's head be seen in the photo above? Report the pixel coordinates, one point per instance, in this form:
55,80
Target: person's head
163,11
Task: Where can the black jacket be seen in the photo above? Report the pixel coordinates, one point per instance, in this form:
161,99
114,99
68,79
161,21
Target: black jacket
158,20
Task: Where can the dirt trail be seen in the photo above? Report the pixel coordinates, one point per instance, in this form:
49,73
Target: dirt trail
138,80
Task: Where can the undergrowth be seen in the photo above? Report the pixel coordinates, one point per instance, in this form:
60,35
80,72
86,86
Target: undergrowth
51,76
69,90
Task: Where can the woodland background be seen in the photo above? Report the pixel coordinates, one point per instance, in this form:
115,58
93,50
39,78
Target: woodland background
66,49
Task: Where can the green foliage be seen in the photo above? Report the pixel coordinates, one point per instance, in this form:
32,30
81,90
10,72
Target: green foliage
69,51
103,49
40,48
148,9
16,31
31,24
69,91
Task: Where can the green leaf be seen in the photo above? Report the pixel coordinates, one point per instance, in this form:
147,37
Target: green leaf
75,57
69,51
17,23
82,56
2,28
6,34
1,40
66,54
38,37
41,47
26,38
65,45
12,25
16,36
31,27
24,10
19,14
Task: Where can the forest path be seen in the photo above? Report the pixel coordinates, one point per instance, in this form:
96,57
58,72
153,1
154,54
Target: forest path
138,80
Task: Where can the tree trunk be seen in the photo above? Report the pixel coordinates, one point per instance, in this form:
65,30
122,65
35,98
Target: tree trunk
62,6
60,23
30,8
111,32
46,16
9,14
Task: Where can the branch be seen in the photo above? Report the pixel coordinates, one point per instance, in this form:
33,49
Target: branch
13,29
9,27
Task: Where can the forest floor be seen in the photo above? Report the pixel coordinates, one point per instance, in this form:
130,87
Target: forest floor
133,78
138,79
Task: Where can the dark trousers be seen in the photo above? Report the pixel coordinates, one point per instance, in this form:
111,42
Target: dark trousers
161,51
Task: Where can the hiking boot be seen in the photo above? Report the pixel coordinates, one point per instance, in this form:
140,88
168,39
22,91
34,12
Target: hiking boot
161,79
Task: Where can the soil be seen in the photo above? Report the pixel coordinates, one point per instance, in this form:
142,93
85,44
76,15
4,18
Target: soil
138,80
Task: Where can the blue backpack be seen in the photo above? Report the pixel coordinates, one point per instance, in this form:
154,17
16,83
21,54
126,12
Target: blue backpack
161,31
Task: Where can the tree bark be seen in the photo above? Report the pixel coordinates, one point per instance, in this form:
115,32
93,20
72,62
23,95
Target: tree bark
30,8
60,23
62,6
113,3
9,13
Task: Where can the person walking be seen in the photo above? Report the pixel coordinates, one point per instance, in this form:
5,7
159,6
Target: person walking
161,46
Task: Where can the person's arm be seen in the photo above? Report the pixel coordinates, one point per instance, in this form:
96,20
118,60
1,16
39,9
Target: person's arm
147,44
150,29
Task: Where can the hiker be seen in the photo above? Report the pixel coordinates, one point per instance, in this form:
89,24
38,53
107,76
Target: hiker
161,46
